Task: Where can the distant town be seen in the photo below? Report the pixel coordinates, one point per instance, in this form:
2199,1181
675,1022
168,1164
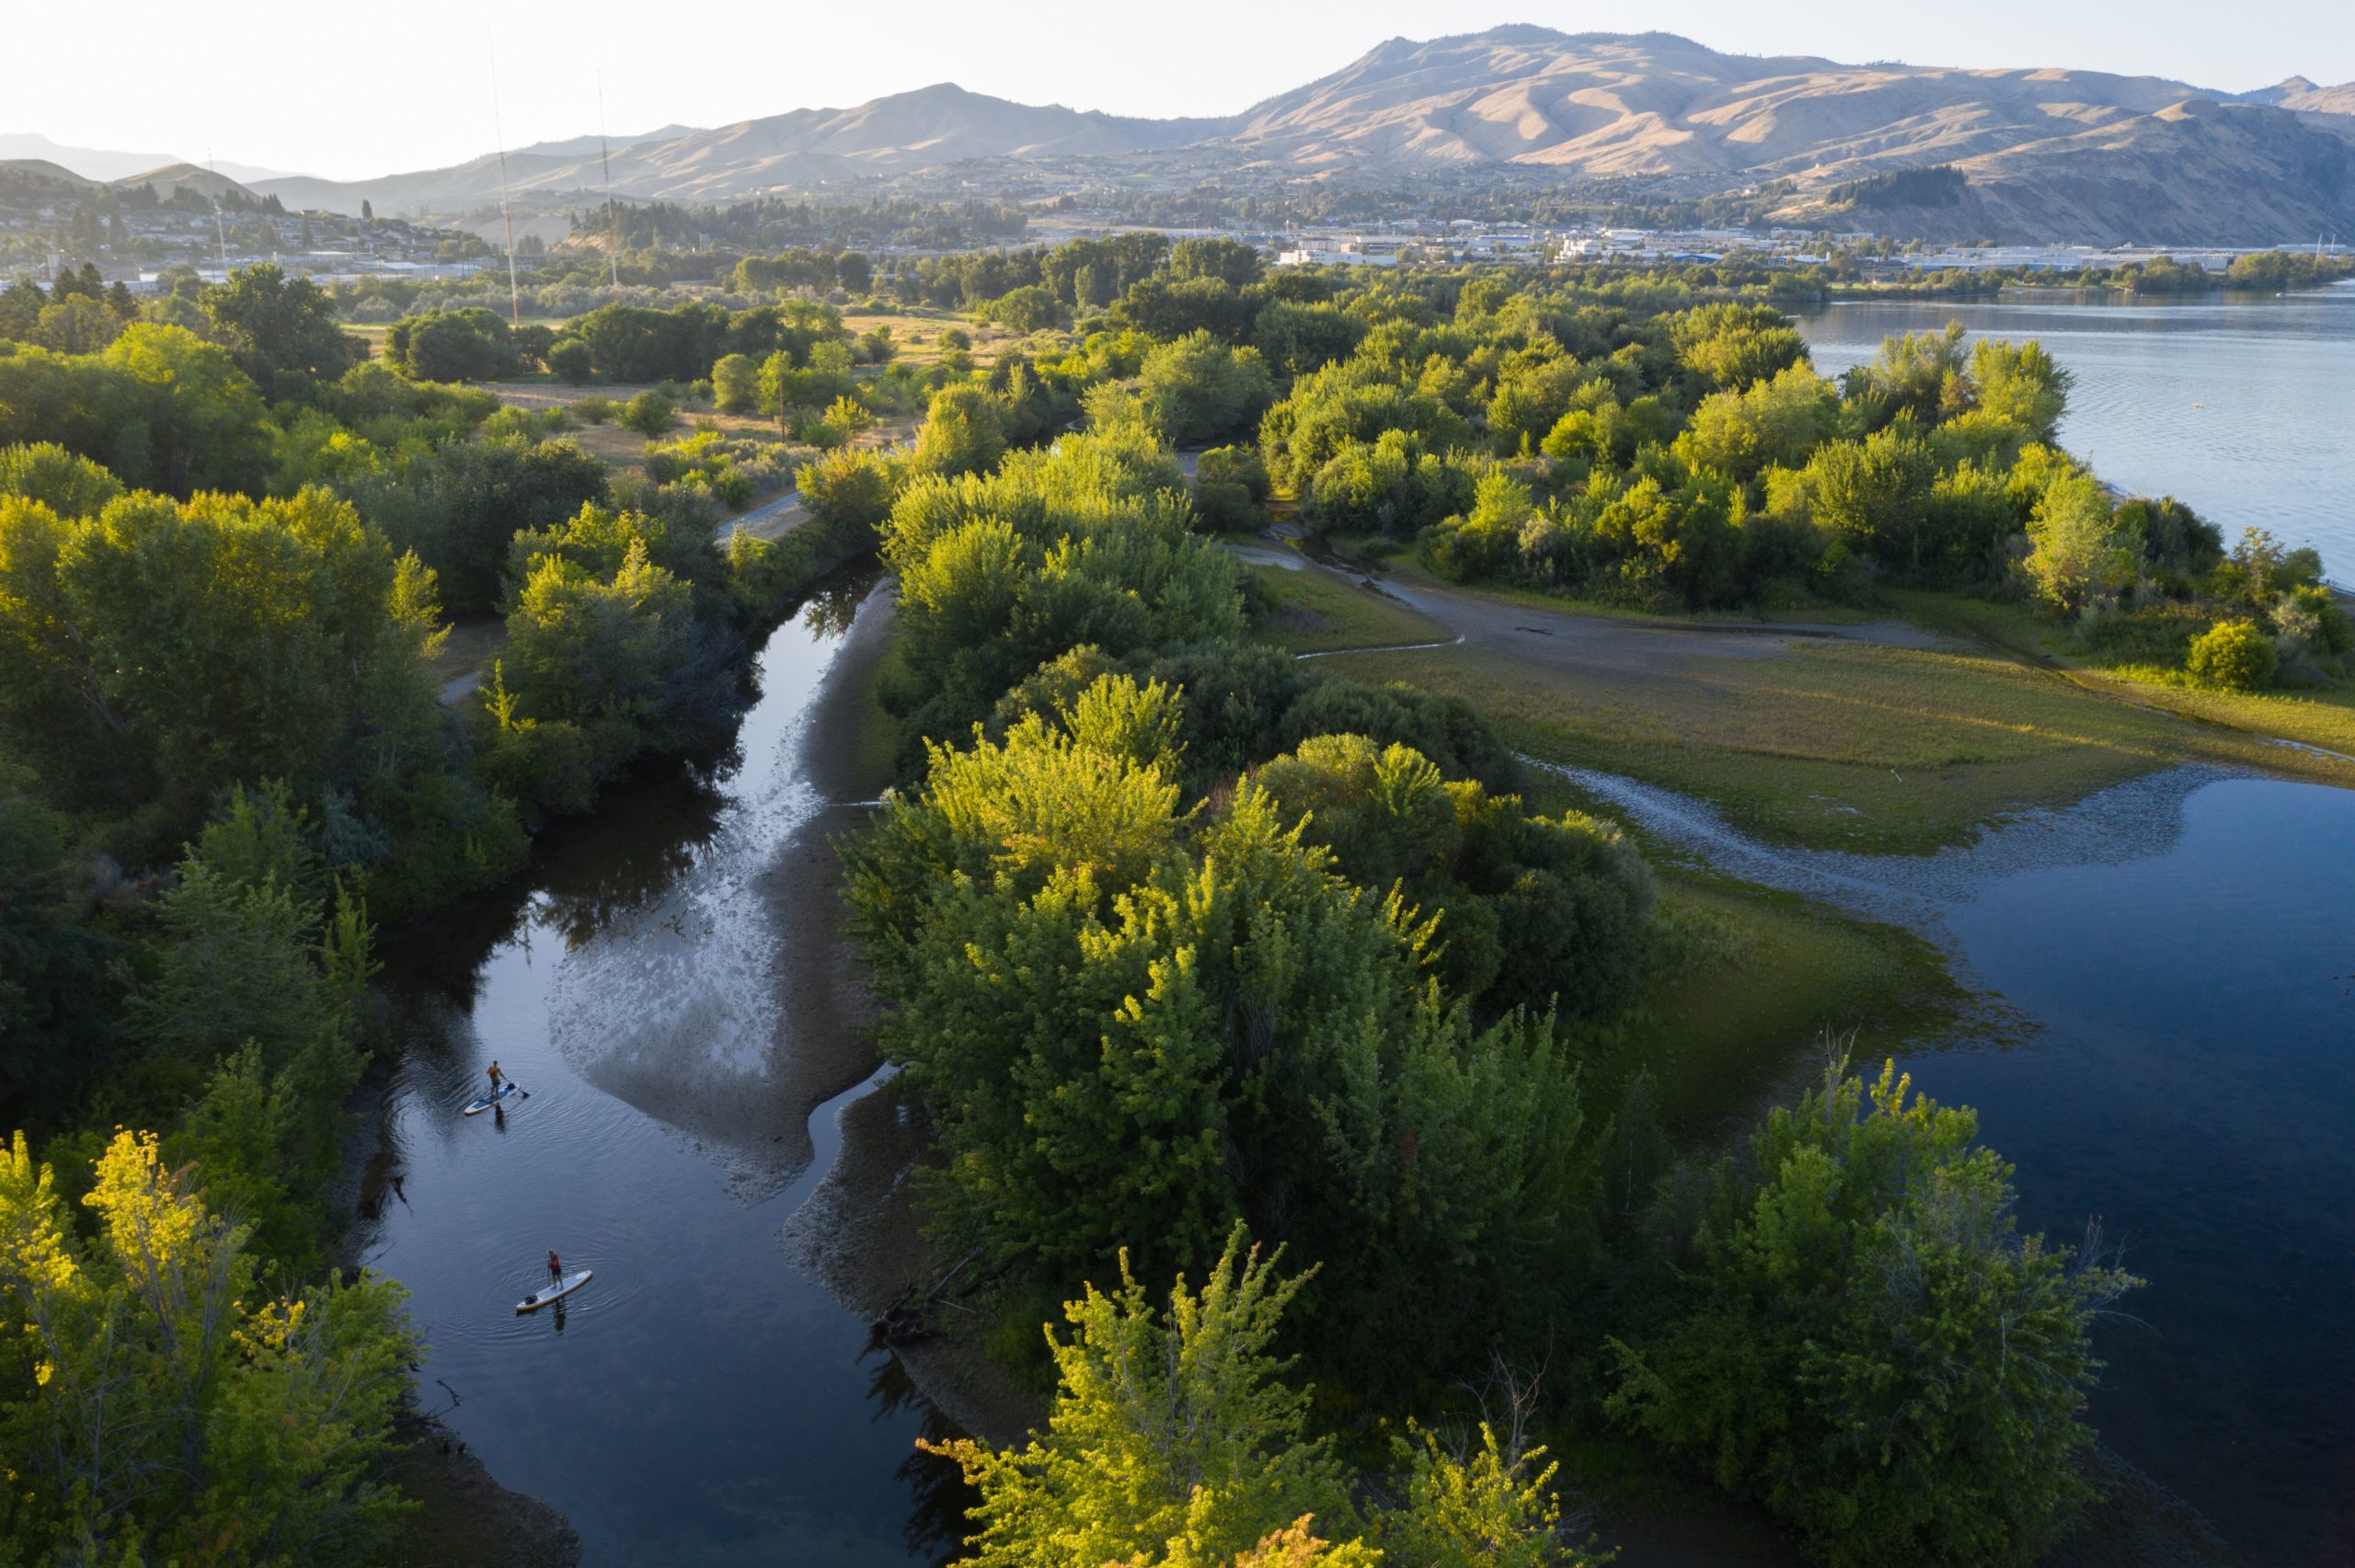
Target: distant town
136,234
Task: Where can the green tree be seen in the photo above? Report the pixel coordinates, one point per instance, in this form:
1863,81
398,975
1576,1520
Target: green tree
571,361
1489,1509
1778,421
75,326
1874,494
1546,914
69,486
1174,1440
850,489
1733,348
2021,384
1871,1346
160,651
603,636
52,964
281,330
1201,390
459,506
1028,309
648,413
471,344
2078,553
963,434
736,383
158,1407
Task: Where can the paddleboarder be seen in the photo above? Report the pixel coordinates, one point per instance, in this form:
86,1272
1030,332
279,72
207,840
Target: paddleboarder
496,1076
556,1269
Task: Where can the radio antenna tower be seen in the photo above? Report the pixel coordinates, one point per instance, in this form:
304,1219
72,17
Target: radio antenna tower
220,227
612,218
506,211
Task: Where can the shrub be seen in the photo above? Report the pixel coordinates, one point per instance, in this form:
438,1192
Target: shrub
593,409
569,360
649,414
2234,655
2308,620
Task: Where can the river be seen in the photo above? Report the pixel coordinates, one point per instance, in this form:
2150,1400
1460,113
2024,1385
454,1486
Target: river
2181,943
656,983
2239,404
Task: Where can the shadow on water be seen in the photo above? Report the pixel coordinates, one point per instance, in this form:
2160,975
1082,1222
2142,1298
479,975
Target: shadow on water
704,1400
2181,942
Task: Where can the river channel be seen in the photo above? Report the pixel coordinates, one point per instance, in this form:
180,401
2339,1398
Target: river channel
660,983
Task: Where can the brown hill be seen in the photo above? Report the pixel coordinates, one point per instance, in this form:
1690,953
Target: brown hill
172,178
928,128
2297,93
2048,154
31,177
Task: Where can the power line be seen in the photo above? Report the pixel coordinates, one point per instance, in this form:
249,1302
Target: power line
612,217
506,211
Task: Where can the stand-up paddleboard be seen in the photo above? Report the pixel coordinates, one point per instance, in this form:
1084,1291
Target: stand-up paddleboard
565,1287
505,1092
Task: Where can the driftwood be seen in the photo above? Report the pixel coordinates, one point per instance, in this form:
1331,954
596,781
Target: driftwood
910,1317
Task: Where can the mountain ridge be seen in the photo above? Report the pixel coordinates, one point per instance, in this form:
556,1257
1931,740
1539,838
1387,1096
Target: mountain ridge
2048,152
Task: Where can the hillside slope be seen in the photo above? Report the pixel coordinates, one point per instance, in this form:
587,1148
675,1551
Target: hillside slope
2050,153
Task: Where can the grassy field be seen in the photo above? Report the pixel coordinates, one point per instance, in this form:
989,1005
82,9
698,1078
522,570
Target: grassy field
2322,716
917,333
1311,612
1840,745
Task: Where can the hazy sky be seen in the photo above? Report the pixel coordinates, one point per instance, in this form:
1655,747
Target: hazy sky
351,90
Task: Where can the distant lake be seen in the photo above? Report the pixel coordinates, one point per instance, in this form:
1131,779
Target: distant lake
2242,404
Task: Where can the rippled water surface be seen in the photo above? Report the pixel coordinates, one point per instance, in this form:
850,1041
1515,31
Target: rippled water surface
2242,404
2184,943
703,1399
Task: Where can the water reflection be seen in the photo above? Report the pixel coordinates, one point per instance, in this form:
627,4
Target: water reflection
2181,942
705,1400
937,1524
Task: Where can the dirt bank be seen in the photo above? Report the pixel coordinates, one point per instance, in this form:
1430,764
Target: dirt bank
466,1519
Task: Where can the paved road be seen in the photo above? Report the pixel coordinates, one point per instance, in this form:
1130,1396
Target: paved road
772,520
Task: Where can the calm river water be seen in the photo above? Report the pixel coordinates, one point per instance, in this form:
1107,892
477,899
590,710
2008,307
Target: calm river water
2243,405
704,1400
2182,944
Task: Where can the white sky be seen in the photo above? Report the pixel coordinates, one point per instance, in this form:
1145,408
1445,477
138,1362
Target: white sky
349,90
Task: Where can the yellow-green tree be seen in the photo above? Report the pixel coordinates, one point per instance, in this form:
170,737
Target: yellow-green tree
1176,1442
155,1409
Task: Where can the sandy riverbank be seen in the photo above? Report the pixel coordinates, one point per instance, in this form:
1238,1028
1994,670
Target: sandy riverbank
860,1230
